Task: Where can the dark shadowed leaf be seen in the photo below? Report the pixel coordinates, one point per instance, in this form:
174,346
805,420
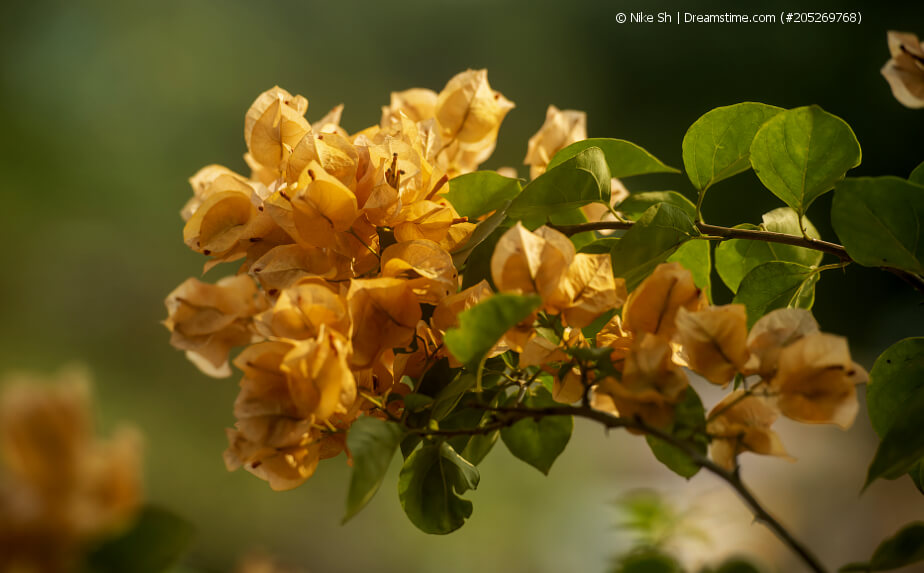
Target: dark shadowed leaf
539,442
660,231
429,486
879,221
776,285
372,443
689,426
904,548
637,203
154,543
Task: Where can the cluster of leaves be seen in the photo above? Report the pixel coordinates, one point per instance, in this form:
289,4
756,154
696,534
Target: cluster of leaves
395,299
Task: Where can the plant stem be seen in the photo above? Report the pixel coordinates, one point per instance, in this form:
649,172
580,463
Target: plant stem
509,416
727,233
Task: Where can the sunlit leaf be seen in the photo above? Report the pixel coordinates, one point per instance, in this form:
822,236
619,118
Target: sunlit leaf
776,285
660,231
481,326
624,158
582,179
476,194
718,144
801,153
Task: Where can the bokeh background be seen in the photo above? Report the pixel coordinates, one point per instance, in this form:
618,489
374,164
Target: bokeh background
106,108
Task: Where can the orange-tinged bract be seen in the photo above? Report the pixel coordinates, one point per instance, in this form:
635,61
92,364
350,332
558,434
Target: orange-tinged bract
713,340
740,423
561,129
905,70
653,305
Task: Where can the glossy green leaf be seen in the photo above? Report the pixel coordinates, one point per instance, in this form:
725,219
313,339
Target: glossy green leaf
152,544
879,222
475,194
718,144
917,175
801,153
372,443
696,257
776,285
902,549
637,203
581,179
902,446
689,426
429,486
539,442
623,158
660,231
481,326
735,258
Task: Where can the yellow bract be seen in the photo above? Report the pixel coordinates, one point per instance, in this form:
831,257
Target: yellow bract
713,340
905,70
468,110
741,423
561,129
653,305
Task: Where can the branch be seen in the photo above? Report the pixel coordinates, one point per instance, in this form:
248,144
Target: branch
727,233
510,416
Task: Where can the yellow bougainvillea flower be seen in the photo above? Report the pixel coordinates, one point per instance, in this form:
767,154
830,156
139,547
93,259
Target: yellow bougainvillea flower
424,220
652,306
651,383
713,340
303,309
613,335
226,216
905,71
284,265
319,376
816,379
386,312
208,320
273,438
527,262
561,129
468,110
427,267
274,125
323,208
741,423
201,183
62,488
587,290
416,363
334,153
771,333
417,104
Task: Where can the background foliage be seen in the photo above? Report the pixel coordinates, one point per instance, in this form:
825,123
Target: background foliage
107,108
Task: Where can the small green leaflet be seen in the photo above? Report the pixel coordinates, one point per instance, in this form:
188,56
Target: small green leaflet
481,326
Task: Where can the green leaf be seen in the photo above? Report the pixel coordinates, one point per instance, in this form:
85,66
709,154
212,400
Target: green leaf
660,231
904,548
154,542
896,377
801,153
415,402
474,194
902,446
539,442
481,326
689,426
582,179
696,257
737,565
637,203
735,258
647,560
879,221
718,144
429,486
776,285
372,442
917,176
623,158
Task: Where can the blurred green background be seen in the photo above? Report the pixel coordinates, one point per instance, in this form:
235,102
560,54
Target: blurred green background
107,108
